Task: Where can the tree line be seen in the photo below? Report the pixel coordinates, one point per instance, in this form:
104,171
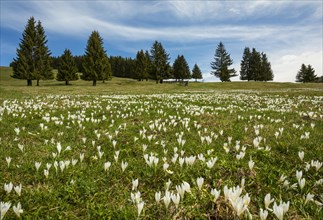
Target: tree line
34,62
146,66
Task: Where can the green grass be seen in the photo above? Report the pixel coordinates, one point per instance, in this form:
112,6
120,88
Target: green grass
88,119
130,86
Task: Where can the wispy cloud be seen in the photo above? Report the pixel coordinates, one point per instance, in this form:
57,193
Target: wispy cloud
192,28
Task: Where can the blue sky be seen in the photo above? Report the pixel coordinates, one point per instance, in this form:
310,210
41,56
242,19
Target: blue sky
289,32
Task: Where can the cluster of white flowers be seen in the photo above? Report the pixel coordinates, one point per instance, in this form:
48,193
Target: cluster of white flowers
175,139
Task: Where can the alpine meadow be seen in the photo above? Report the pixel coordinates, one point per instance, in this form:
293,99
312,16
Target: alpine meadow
144,134
130,149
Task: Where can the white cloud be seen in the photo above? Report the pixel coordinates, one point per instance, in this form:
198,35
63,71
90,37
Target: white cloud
192,28
286,67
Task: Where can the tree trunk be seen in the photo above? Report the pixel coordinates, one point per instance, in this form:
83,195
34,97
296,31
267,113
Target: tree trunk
156,81
37,82
29,82
94,82
161,81
66,82
196,80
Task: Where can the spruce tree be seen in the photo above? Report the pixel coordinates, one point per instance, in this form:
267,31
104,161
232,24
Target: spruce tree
310,74
196,73
255,65
43,69
181,69
221,64
245,71
33,56
306,74
160,62
141,66
301,74
24,67
266,71
96,63
67,69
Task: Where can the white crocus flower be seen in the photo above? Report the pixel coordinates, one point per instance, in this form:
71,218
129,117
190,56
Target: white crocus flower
200,181
301,155
299,175
8,187
8,159
140,206
167,199
107,166
59,148
251,164
268,200
301,183
37,165
135,184
176,199
309,197
215,193
81,157
124,166
157,196
18,189
263,214
4,207
278,211
46,173
18,210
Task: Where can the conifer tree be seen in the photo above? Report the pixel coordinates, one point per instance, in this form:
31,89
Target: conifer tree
160,62
181,69
33,56
266,71
196,73
24,64
142,66
67,69
221,64
43,69
245,72
255,65
306,74
300,77
96,64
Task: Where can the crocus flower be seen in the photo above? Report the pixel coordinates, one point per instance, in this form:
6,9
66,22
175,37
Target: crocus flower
140,206
251,164
8,159
167,199
157,196
299,175
215,193
176,198
135,184
18,210
124,166
107,166
18,189
268,200
200,181
263,214
8,187
4,207
301,155
37,165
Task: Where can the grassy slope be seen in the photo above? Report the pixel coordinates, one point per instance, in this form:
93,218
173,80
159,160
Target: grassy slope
12,87
106,194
